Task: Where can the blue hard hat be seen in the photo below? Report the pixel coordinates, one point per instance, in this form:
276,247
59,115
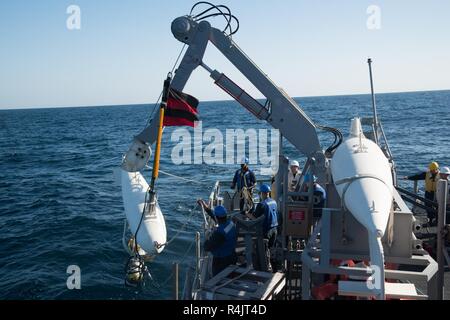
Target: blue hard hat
308,178
265,188
220,211
244,160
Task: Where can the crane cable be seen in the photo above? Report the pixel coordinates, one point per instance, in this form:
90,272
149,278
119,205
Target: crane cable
181,178
193,211
155,107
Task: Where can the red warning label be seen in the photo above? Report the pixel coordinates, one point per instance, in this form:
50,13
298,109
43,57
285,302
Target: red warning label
297,215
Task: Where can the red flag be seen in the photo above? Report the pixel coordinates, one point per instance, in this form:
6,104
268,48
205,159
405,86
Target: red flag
181,109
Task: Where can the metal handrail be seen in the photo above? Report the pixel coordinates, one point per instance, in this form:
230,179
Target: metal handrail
417,197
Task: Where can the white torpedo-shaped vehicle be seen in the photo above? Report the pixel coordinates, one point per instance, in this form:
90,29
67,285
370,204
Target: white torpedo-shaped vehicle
363,179
152,229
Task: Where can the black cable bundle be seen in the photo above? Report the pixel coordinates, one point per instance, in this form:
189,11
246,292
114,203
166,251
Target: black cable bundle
227,15
338,138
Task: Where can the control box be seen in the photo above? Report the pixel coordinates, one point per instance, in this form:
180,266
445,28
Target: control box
298,221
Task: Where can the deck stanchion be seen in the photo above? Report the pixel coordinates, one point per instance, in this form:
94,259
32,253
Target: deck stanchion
442,205
197,255
175,280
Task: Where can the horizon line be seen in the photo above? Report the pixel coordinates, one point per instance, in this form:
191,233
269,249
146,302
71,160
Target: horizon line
218,100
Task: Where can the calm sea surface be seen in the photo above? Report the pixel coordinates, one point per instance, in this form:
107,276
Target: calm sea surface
60,206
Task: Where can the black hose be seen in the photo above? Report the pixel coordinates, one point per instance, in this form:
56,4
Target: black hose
227,15
199,16
212,6
199,3
232,31
338,138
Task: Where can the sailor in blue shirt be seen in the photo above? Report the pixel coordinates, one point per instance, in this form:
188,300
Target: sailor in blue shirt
320,195
222,242
244,177
268,208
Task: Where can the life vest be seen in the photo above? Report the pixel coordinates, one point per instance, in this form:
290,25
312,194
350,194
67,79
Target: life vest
244,179
431,182
293,180
270,214
228,230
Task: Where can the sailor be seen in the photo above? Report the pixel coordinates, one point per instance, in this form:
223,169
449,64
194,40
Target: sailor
445,173
431,177
267,207
245,181
222,242
293,175
320,195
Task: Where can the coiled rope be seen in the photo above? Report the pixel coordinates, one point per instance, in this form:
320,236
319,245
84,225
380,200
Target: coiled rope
246,195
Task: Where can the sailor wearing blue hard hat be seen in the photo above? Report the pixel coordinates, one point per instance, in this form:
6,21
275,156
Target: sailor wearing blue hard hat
267,207
320,195
244,178
222,242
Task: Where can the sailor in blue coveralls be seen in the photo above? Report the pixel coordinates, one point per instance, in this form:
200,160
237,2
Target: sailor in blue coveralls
244,177
267,208
222,242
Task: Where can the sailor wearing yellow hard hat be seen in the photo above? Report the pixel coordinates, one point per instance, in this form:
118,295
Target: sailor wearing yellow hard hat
431,177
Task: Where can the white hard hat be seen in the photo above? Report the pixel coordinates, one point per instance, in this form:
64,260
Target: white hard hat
244,160
445,170
294,163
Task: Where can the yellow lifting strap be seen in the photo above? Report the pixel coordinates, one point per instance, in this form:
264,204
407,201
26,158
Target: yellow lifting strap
160,130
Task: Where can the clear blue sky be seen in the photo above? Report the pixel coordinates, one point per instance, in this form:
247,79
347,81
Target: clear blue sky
125,48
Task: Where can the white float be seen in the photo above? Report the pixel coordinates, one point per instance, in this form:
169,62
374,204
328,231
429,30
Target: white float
153,227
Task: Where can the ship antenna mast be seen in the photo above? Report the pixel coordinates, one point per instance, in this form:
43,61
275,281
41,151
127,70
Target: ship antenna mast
374,104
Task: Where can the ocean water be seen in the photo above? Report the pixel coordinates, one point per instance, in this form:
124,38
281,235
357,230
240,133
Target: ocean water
60,205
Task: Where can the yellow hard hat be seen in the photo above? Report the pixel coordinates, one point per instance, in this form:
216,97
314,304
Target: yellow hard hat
433,166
